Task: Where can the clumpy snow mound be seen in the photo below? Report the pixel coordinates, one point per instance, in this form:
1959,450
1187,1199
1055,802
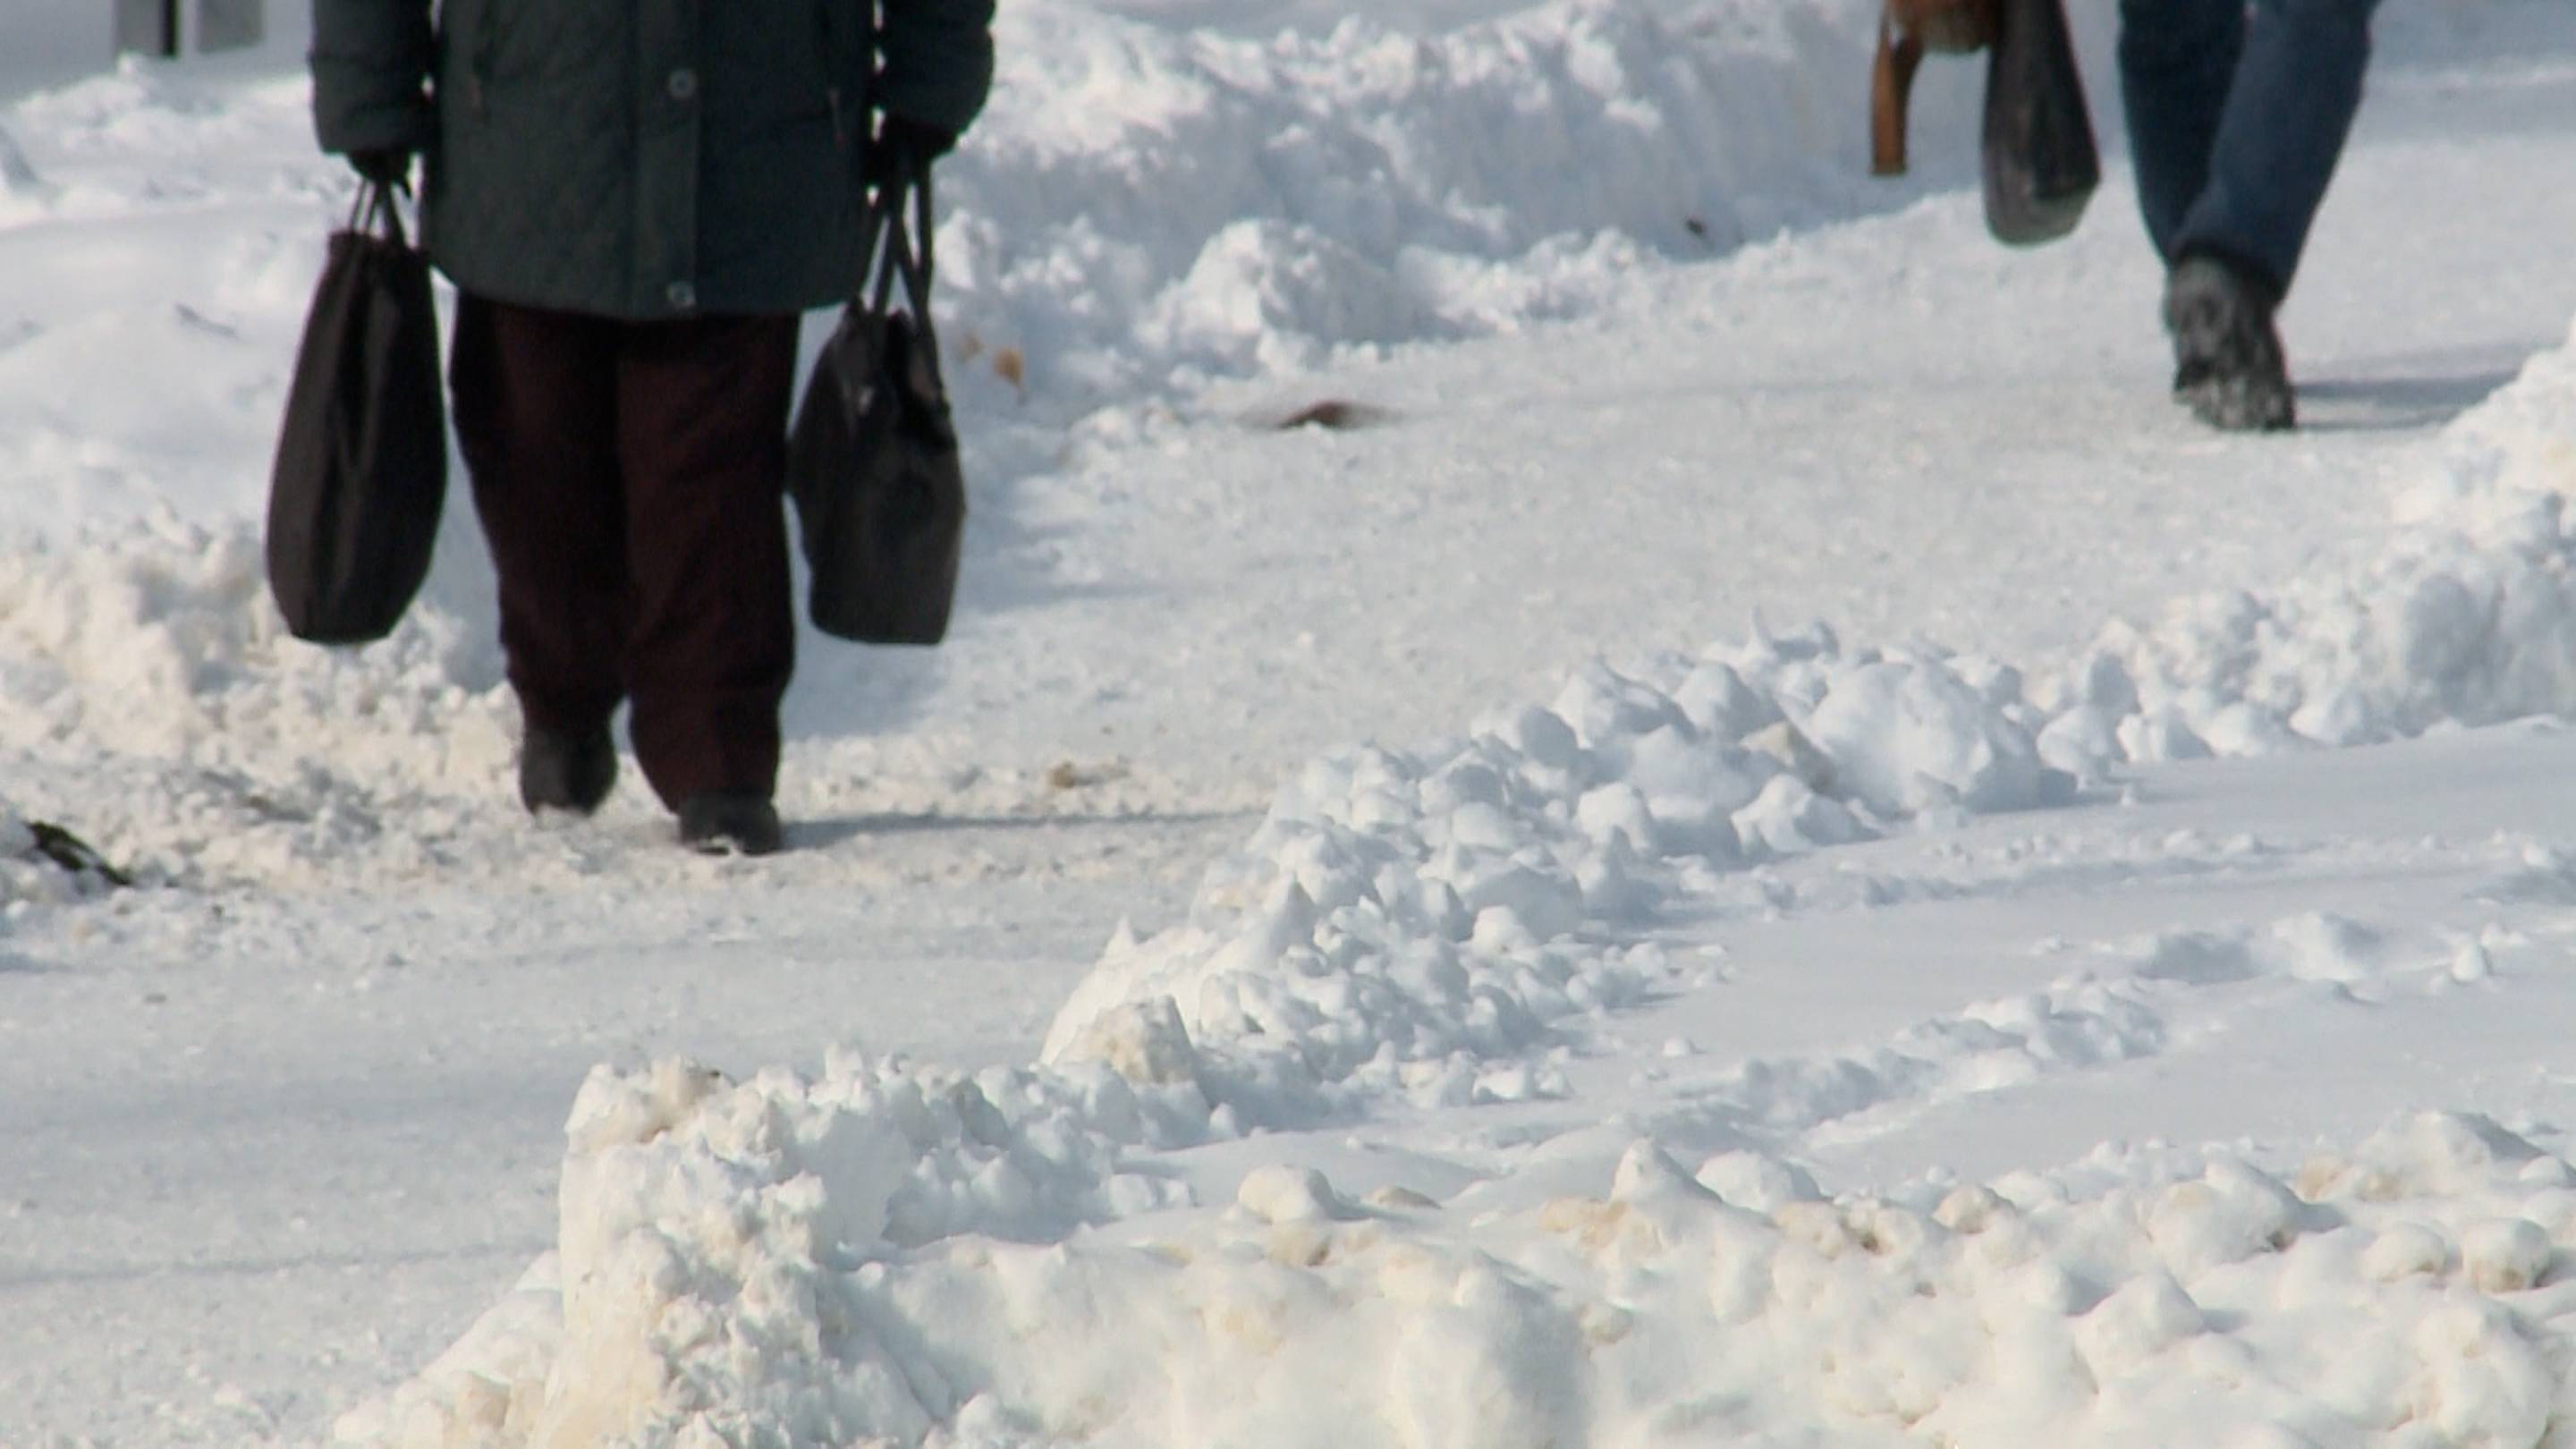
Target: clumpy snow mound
2469,617
1145,203
1408,919
725,1279
161,642
147,681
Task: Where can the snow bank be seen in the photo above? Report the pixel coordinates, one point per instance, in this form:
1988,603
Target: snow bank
2468,617
1408,919
148,683
1143,206
723,1280
162,642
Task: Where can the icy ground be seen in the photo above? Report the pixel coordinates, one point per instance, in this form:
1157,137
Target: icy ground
1798,1035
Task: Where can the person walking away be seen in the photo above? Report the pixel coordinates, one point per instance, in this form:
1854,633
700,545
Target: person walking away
635,200
2237,116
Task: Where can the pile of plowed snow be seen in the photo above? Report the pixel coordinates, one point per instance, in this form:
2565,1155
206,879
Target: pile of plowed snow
725,1277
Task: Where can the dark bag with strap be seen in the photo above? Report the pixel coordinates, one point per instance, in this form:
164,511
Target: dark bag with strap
361,468
2039,161
872,462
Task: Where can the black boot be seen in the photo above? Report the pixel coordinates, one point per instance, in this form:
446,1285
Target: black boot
730,822
561,772
2227,359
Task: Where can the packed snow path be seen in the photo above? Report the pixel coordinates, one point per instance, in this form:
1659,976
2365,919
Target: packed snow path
271,1144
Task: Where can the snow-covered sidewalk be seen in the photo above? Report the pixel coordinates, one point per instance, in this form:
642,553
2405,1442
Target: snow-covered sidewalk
273,1133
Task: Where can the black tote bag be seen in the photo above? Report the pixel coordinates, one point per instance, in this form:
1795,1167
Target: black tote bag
872,462
361,468
2040,162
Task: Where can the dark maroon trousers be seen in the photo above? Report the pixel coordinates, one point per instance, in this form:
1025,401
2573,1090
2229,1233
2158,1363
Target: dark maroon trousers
629,476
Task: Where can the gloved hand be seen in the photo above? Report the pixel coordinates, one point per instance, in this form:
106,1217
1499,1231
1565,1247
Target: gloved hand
384,168
905,148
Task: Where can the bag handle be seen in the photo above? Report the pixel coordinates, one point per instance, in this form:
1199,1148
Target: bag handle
373,211
899,245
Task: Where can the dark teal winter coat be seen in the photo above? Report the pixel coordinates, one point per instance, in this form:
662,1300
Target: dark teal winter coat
643,159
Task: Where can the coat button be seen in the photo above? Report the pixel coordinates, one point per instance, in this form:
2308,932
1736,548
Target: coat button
682,84
681,296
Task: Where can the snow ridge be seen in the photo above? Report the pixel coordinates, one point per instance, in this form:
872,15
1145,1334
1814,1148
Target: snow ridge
2469,617
1404,919
2405,1285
